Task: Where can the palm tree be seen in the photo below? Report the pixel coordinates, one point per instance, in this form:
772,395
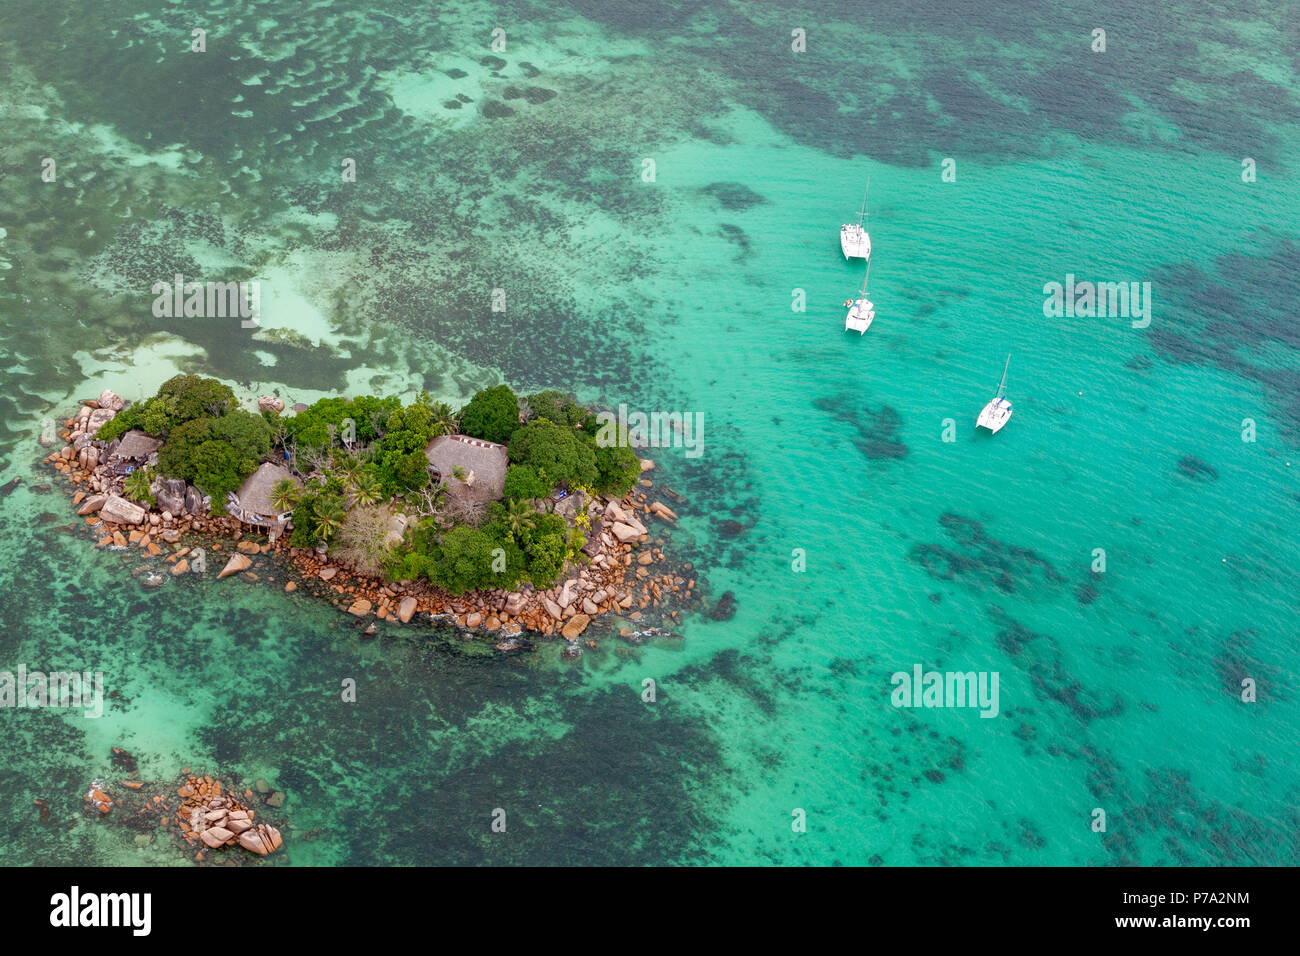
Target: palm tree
285,495
329,517
520,518
347,467
444,420
136,485
366,490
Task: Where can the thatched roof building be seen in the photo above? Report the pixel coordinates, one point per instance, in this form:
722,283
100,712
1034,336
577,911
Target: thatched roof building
132,450
136,446
483,463
251,504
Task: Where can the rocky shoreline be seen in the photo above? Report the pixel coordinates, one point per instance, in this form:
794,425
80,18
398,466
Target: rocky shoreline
627,578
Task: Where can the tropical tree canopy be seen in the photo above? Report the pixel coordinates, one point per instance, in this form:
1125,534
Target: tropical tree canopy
556,451
492,415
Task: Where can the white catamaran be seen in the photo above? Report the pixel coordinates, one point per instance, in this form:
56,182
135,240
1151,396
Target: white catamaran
998,411
861,311
854,240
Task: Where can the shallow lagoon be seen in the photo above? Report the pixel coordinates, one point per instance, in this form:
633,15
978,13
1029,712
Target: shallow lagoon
1118,689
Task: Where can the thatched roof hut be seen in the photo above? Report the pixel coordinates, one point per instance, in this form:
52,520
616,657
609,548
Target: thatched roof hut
136,446
483,463
133,450
252,503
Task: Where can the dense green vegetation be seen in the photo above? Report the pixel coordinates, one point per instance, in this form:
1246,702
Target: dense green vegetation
513,544
523,481
492,414
208,440
362,460
617,466
324,422
216,454
180,399
554,451
557,407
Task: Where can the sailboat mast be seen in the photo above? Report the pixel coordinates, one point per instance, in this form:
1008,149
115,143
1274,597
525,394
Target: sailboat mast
1002,388
863,294
863,211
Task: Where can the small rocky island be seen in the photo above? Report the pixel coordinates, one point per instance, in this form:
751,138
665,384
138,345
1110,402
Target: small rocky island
515,514
196,813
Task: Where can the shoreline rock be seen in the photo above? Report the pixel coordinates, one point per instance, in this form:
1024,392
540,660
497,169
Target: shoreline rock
237,563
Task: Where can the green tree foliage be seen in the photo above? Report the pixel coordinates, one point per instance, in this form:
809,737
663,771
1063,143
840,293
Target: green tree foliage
176,458
125,420
371,415
423,417
325,499
216,454
546,557
366,489
152,416
523,481
329,515
618,466
465,558
463,561
557,451
219,468
406,565
314,426
304,533
545,546
445,421
492,414
545,524
180,399
156,417
188,397
347,466
520,518
319,425
402,466
557,407
249,434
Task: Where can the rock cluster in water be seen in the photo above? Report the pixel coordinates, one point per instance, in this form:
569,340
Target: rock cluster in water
196,814
218,819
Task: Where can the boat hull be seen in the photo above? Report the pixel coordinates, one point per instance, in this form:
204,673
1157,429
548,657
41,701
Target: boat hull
995,415
854,242
859,317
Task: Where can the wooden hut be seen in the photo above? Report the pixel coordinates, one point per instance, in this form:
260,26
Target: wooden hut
134,450
252,505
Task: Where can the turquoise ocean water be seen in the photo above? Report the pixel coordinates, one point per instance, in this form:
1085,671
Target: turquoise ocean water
1118,690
